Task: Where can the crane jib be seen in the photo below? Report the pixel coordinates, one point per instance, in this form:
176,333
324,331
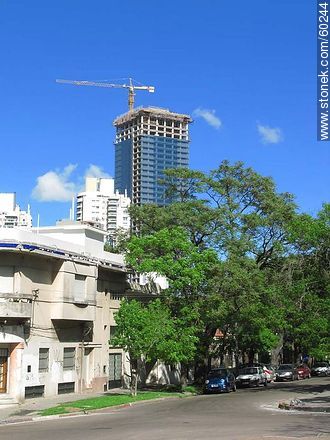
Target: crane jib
131,87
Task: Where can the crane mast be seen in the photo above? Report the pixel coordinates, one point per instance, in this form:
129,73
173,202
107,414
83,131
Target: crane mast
130,86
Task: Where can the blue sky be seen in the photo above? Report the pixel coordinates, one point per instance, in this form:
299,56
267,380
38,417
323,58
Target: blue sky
245,70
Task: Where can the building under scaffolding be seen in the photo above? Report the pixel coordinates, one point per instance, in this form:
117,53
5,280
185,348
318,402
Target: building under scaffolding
148,141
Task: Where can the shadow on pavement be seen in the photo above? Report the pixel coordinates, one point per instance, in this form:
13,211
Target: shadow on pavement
302,389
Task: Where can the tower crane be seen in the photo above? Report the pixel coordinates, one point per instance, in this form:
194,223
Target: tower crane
130,86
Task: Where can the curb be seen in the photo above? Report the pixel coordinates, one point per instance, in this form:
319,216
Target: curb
22,419
295,409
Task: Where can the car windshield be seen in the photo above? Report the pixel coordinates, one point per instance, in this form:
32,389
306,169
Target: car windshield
250,370
217,373
285,367
321,364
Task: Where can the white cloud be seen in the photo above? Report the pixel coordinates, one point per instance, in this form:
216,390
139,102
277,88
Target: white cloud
58,186
54,186
95,171
208,116
269,135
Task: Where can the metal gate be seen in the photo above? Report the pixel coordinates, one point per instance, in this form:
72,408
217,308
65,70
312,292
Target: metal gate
3,369
115,370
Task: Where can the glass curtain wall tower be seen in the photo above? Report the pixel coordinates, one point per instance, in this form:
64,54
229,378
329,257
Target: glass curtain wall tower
148,141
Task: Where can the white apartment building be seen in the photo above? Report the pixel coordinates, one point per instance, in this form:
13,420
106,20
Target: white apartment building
11,215
103,207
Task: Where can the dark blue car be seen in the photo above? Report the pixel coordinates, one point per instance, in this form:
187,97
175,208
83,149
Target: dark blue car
220,380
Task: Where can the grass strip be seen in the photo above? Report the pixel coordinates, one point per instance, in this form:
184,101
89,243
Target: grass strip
104,402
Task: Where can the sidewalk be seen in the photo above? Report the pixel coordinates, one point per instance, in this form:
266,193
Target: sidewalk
30,408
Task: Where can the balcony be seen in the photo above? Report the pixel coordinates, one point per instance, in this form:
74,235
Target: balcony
75,312
14,305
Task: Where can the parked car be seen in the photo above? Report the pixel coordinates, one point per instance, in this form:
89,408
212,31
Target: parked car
220,380
269,371
286,372
321,369
251,376
303,371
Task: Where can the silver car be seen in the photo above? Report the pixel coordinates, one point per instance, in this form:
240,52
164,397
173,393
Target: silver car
251,376
286,372
321,369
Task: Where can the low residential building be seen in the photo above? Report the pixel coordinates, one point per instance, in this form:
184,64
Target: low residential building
11,215
58,293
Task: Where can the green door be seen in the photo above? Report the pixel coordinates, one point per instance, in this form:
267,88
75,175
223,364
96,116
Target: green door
115,370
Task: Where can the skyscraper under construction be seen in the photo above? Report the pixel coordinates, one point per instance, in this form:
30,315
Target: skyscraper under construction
148,141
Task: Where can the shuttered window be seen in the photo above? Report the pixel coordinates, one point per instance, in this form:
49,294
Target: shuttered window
6,279
43,359
79,290
69,358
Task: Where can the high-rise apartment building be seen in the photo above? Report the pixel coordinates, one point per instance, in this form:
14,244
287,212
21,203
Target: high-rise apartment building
11,215
148,141
102,206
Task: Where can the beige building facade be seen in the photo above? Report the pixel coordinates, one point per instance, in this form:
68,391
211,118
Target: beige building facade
59,291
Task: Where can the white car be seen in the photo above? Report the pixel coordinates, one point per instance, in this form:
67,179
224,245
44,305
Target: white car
251,376
321,369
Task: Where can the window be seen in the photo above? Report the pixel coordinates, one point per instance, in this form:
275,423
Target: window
65,387
43,359
113,329
6,279
34,391
69,358
79,287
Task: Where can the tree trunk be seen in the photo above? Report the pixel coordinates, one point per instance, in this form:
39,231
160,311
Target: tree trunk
200,370
184,374
251,354
133,385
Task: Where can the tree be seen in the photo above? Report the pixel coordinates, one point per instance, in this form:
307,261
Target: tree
305,280
170,252
235,217
236,250
149,332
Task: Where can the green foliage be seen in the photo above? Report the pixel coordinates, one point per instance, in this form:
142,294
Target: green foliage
169,252
237,254
150,332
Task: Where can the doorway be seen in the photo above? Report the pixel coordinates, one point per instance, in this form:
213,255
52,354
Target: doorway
115,370
3,369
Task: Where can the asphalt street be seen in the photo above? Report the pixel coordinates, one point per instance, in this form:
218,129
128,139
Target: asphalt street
248,414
